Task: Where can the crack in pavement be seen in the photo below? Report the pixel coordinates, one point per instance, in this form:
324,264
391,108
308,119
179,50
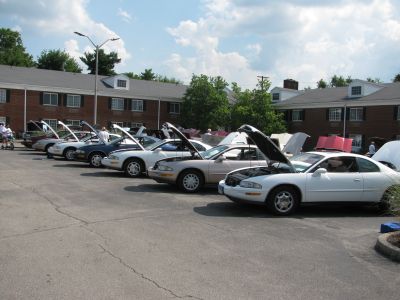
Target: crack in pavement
144,277
34,232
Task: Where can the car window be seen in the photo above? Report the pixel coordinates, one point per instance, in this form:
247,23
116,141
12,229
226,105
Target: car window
198,146
340,164
366,166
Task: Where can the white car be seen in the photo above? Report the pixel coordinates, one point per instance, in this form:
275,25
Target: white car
135,163
308,177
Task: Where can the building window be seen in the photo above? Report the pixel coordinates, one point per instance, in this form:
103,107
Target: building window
297,115
3,96
52,123
136,125
50,99
121,83
117,104
174,108
335,114
357,140
3,120
275,96
74,123
120,124
356,90
356,114
137,105
73,101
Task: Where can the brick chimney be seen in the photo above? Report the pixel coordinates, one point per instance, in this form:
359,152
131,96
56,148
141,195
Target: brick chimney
290,84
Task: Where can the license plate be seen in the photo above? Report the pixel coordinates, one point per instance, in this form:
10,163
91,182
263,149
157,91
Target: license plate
220,189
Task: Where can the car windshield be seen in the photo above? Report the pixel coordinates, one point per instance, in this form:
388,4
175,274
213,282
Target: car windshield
213,151
155,145
304,161
122,140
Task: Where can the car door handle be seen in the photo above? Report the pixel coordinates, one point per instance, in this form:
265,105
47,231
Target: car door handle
357,179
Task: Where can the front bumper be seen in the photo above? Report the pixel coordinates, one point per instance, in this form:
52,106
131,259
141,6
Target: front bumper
111,164
161,176
240,194
80,157
55,151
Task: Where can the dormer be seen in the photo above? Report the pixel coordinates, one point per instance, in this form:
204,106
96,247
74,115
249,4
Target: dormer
119,82
361,88
279,94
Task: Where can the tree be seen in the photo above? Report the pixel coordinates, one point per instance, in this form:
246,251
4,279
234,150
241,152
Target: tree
339,81
321,84
162,78
254,107
205,103
375,80
396,78
106,62
12,50
57,60
132,75
147,75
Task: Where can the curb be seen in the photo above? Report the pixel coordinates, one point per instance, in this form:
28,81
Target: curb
387,249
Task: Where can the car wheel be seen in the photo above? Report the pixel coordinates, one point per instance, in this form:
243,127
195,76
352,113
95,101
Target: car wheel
190,181
95,159
283,200
388,196
69,153
134,168
47,148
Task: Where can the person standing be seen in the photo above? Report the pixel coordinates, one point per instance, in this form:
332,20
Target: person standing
371,149
104,135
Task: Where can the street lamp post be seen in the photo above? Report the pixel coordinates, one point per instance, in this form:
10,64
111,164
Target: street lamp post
97,47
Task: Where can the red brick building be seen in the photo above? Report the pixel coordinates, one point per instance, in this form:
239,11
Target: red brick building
34,94
362,111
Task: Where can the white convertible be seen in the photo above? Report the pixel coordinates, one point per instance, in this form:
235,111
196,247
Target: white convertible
308,177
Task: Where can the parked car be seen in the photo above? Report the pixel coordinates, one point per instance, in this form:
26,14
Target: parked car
135,163
317,176
94,153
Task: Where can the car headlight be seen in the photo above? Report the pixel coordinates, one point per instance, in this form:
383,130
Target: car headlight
250,185
164,168
113,157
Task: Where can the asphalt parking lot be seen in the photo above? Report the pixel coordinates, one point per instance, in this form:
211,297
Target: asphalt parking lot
68,231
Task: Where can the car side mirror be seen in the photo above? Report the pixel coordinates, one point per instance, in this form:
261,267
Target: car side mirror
221,158
319,171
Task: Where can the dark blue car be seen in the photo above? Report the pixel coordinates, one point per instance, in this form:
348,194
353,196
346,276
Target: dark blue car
95,152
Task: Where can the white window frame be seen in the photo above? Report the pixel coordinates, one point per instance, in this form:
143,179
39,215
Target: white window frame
121,83
120,124
136,125
356,88
73,100
175,108
3,120
137,105
335,114
3,96
52,122
296,115
356,114
73,122
53,98
116,104
357,140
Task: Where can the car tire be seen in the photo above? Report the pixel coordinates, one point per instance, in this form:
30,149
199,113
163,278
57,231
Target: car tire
384,204
283,200
190,181
95,159
47,148
134,168
69,154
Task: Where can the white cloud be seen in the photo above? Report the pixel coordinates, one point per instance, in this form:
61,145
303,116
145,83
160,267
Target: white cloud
303,40
62,18
125,15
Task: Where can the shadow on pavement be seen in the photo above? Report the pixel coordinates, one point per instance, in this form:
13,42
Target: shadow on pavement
103,174
72,165
168,188
231,209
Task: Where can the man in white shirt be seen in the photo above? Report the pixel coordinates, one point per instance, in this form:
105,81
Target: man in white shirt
371,149
104,135
2,132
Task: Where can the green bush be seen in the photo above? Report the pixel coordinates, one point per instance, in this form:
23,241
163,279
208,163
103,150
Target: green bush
394,201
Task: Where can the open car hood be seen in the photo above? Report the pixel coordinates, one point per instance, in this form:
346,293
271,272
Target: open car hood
234,138
265,144
66,127
182,137
295,144
128,134
51,129
389,153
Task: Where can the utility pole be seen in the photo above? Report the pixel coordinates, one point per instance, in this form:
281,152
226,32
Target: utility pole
262,81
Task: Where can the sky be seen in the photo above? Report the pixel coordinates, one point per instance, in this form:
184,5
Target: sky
240,40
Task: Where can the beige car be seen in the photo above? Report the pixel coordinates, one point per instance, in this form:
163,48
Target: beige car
191,173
